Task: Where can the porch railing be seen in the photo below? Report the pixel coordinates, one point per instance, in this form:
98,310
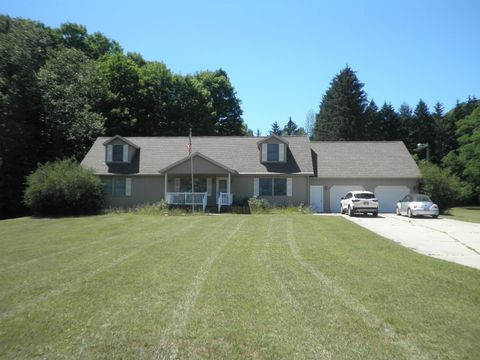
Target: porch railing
187,198
224,199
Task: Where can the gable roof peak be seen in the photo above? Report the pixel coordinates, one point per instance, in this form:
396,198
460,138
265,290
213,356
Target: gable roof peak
273,136
121,138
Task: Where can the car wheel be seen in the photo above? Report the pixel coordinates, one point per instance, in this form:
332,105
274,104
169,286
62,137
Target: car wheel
375,214
350,211
398,212
434,216
409,213
341,210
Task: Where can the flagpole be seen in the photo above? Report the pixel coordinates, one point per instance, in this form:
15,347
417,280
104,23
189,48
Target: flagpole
191,170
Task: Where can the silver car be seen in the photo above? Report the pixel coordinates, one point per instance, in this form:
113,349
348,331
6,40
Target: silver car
417,204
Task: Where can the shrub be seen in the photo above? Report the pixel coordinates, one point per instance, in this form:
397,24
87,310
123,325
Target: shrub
442,186
160,207
63,187
259,206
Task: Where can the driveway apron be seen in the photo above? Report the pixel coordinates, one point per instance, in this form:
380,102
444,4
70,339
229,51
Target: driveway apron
450,240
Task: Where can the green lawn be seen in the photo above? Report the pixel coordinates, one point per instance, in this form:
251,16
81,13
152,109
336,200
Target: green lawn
469,213
226,287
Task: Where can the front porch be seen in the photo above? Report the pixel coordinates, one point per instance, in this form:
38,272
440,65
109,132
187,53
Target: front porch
211,183
198,199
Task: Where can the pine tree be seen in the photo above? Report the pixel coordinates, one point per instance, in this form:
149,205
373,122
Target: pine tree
276,129
291,128
342,110
405,117
389,123
372,122
423,128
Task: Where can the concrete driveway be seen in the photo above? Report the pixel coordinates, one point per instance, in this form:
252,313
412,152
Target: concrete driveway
450,240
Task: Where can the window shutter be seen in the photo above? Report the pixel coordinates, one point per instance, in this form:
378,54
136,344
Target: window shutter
256,186
289,187
109,153
125,152
281,152
177,184
264,152
128,187
209,186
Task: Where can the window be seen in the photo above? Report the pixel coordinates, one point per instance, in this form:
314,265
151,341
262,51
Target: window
107,186
272,152
273,186
280,187
200,185
117,153
365,196
119,187
265,187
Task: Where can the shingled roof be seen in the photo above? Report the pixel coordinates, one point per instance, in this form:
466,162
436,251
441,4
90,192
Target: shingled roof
240,153
363,159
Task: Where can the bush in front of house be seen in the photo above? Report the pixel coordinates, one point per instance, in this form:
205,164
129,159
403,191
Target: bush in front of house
444,188
63,187
259,205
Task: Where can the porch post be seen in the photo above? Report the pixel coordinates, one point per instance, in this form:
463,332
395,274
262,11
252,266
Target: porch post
166,186
228,184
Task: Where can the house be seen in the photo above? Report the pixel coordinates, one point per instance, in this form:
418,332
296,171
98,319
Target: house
286,170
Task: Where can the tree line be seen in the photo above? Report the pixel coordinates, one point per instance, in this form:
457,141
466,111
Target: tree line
453,137
62,87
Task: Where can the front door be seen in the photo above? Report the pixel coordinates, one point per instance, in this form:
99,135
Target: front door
316,198
221,185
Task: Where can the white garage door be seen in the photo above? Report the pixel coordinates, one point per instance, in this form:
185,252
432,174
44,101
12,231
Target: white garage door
388,195
339,191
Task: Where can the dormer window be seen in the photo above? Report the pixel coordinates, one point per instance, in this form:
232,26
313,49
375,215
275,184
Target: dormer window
117,153
272,152
119,150
273,149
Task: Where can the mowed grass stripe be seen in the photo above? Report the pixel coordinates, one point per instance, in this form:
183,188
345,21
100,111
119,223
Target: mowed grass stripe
342,331
100,233
170,286
182,312
230,316
153,240
116,307
315,343
46,272
350,302
424,299
45,239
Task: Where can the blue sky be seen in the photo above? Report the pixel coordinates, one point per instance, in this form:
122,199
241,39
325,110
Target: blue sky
282,55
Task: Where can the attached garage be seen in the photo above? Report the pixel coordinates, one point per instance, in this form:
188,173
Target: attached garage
388,195
383,167
337,192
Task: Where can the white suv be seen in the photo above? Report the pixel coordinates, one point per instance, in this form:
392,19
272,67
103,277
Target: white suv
363,202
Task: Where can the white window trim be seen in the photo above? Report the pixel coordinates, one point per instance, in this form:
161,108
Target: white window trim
128,186
109,153
281,152
256,186
125,153
264,152
289,187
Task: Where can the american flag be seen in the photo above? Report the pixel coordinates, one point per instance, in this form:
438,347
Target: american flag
189,145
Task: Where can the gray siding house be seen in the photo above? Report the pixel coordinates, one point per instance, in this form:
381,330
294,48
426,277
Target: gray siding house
284,170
